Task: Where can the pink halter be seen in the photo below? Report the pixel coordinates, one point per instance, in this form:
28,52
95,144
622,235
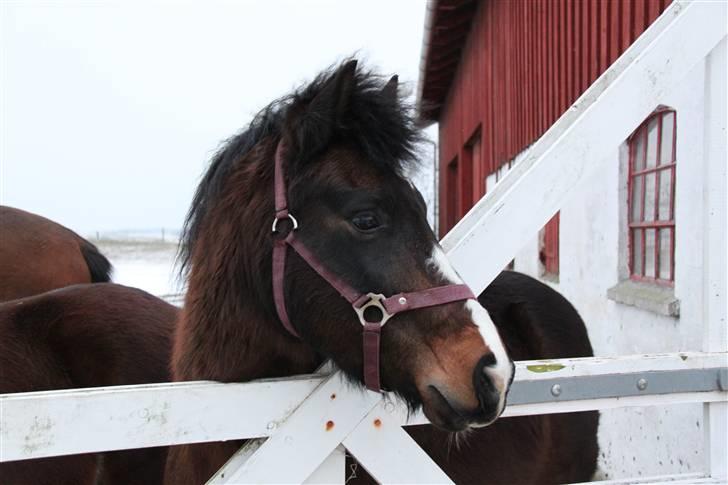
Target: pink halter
360,302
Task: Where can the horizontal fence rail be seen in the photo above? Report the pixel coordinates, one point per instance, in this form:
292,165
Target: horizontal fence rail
37,424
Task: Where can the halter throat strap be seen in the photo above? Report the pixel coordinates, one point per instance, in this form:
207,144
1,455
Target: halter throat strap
360,302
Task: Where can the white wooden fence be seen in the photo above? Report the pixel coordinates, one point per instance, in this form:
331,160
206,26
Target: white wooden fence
306,421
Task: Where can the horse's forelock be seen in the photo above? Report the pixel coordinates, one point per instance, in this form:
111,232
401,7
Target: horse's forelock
373,119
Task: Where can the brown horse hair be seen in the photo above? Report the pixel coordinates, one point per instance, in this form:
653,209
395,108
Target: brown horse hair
229,331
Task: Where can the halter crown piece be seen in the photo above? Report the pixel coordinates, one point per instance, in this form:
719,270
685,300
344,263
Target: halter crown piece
388,306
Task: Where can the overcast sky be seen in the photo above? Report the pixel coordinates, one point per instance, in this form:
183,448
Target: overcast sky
109,112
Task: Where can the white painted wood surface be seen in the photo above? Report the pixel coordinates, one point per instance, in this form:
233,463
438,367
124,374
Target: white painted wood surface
600,120
683,478
332,470
307,437
40,424
35,425
387,452
715,253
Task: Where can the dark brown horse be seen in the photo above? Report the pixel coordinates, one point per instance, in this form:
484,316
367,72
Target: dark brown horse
85,336
39,255
348,140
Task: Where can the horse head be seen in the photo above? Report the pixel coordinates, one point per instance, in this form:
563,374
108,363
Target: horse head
337,152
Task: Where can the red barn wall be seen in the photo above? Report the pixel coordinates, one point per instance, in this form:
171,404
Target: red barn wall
524,63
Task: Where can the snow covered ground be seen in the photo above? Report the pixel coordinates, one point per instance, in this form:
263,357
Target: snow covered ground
148,264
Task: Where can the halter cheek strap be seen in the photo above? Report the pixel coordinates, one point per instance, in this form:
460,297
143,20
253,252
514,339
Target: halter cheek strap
361,302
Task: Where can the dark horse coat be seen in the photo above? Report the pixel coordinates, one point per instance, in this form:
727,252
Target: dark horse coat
349,139
85,336
100,335
39,255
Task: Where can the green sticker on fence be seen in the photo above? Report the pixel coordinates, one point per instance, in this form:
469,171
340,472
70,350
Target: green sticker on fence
544,367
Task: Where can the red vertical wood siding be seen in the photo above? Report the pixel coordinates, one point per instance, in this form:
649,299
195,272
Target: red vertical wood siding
523,64
550,251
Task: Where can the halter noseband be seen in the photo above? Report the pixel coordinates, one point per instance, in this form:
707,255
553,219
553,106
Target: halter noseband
388,306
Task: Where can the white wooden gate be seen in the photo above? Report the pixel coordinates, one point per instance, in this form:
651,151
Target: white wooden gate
305,422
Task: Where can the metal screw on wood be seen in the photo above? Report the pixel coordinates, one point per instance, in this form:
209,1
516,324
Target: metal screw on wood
556,390
642,384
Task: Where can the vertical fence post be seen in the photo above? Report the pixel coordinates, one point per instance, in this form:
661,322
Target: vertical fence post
715,259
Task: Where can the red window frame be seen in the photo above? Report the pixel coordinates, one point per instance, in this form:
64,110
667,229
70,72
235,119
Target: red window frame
549,253
642,224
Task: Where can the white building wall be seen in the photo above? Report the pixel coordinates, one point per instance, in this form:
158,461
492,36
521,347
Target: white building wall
640,441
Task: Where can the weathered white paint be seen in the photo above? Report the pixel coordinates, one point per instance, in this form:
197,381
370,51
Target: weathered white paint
715,247
683,478
668,439
40,424
383,448
325,418
34,424
332,470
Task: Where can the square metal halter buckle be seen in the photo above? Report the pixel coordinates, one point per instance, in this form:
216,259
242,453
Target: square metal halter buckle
375,300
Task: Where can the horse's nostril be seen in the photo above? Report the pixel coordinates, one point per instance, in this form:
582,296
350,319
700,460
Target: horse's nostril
485,388
488,360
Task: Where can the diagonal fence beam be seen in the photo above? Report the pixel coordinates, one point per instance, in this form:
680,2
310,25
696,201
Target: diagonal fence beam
483,242
305,439
382,447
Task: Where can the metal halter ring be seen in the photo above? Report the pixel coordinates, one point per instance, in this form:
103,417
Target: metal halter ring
375,300
290,216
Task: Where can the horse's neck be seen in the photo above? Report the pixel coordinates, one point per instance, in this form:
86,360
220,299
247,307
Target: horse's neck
235,343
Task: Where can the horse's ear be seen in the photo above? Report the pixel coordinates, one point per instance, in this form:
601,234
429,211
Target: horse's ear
389,91
315,125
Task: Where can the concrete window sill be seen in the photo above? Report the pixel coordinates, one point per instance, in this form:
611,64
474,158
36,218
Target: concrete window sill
653,298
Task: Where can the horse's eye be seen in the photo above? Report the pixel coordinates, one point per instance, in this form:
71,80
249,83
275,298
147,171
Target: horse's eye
365,221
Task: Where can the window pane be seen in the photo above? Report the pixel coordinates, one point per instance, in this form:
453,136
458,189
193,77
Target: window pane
650,253
650,196
665,254
665,195
652,142
637,251
636,200
668,123
638,146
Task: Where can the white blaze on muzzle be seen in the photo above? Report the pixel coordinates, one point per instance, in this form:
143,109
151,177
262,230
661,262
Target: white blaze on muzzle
502,371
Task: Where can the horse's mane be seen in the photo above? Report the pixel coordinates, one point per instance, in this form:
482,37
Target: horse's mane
377,123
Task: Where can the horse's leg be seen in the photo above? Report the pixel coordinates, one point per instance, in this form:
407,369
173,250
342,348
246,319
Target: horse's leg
197,463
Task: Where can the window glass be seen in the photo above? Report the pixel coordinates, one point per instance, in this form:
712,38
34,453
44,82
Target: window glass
652,142
650,253
636,199
639,152
650,196
637,251
663,211
665,254
668,122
